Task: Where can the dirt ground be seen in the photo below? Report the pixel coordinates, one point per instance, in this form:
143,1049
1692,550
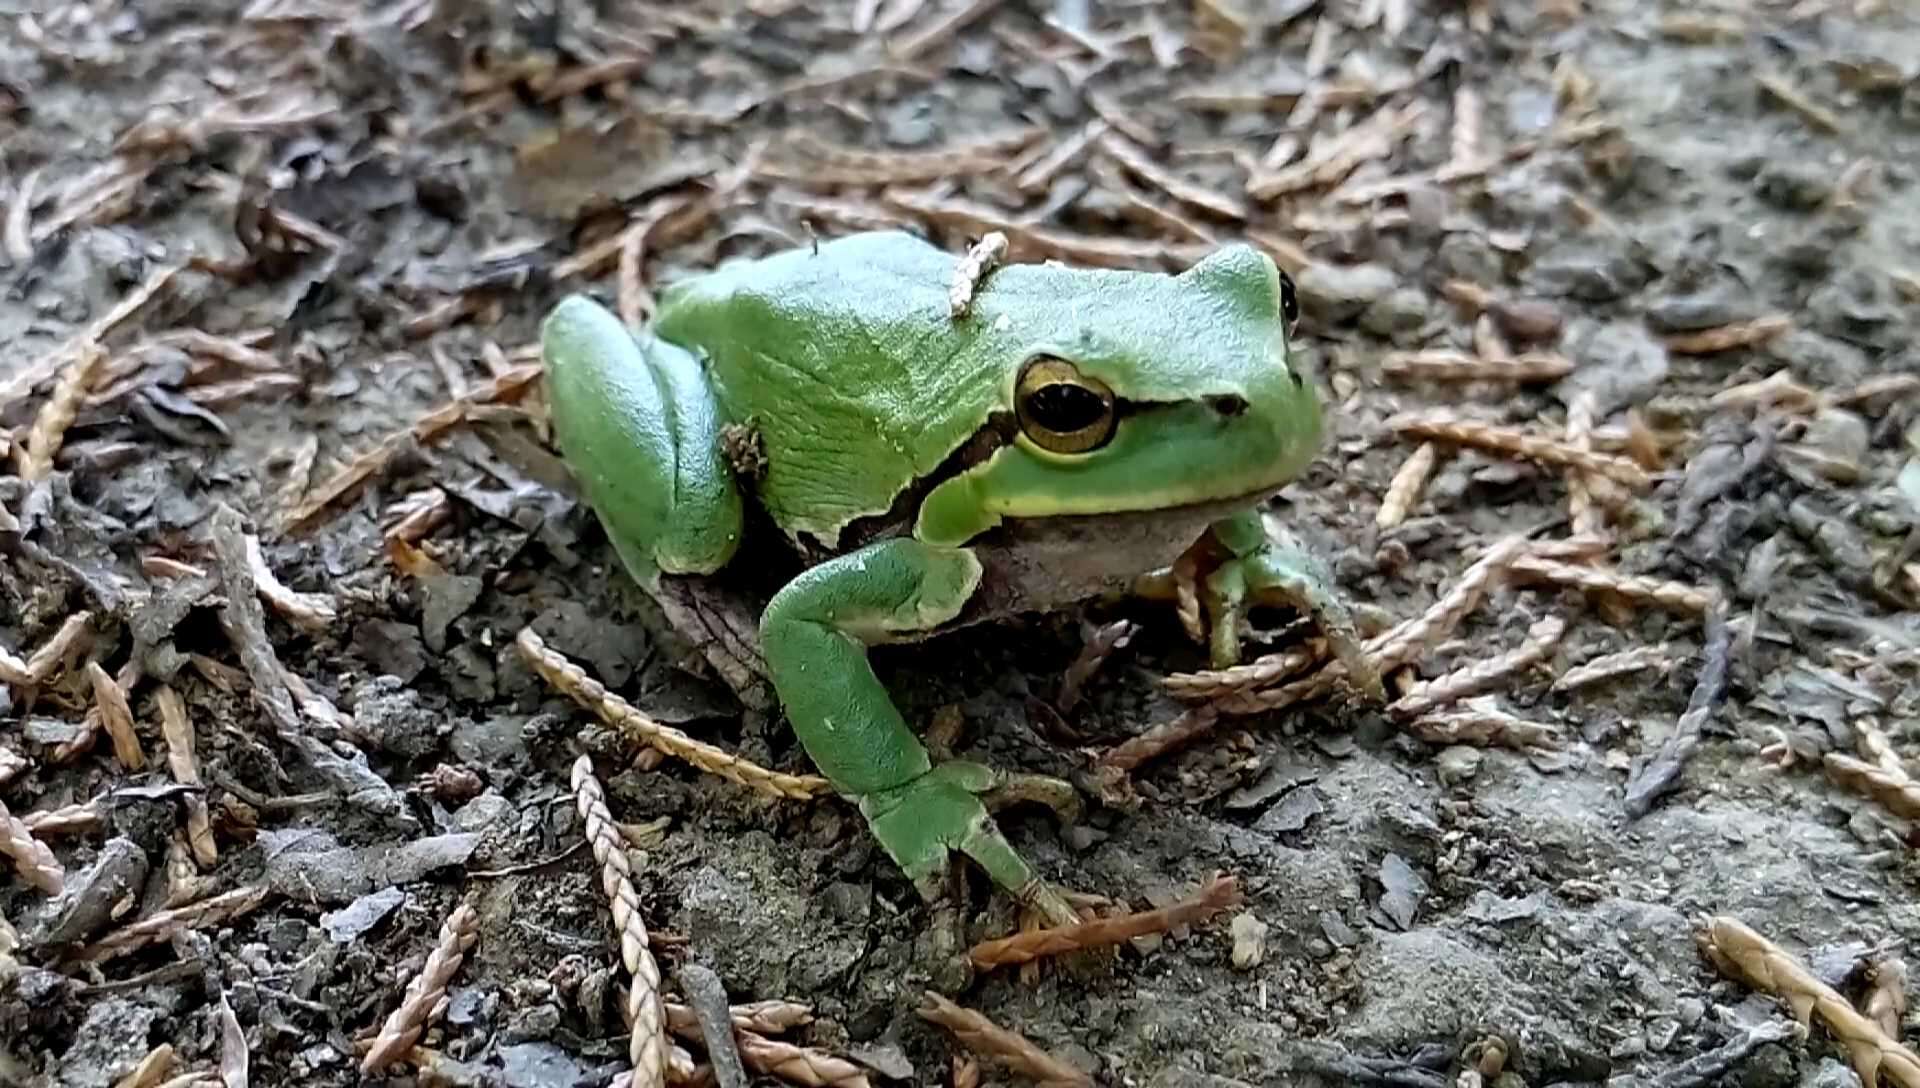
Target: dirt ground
249,248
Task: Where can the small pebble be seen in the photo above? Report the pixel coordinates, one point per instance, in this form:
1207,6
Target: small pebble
1691,313
1794,184
1339,292
1400,313
1458,763
1527,320
1249,941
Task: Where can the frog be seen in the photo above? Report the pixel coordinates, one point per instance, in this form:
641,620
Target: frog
1072,433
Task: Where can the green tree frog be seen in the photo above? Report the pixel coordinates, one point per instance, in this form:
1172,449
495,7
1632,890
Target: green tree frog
1074,432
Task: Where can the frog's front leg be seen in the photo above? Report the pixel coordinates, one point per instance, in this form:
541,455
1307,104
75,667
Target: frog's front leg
815,634
1263,569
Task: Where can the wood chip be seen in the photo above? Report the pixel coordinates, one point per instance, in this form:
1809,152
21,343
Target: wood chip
1741,334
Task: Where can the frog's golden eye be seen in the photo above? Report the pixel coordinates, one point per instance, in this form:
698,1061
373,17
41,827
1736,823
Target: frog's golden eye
1062,410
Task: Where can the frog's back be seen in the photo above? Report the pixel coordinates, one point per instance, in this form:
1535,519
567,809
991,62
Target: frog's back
846,362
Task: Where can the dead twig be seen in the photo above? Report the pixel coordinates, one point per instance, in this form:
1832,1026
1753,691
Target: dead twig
1134,159
67,819
1886,999
1660,774
1740,334
1674,596
1433,694
990,1040
800,1065
16,236
505,386
1480,721
1893,789
1258,673
50,428
908,46
1221,893
1042,243
1583,511
1408,482
309,611
111,702
32,859
1639,659
814,162
613,710
1744,955
39,666
1458,366
647,1045
162,925
177,730
426,994
28,378
1466,432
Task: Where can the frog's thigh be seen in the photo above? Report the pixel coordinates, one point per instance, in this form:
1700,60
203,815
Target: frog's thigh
639,425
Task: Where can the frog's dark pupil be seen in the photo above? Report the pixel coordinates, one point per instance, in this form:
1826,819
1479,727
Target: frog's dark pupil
1064,408
1289,304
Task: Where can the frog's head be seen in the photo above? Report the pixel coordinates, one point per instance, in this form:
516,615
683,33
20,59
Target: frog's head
1130,392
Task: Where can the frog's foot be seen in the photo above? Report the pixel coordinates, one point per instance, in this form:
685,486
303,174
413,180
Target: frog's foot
919,823
1266,565
1311,594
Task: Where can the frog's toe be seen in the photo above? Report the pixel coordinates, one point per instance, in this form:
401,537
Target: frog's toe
1362,672
1056,793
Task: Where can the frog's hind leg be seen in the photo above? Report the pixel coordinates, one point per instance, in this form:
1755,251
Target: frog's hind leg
636,420
815,633
1270,567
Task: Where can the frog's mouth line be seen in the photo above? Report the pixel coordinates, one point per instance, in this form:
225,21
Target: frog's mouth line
1221,506
1000,430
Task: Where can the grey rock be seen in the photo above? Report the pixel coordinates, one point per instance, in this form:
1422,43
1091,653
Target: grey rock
90,896
1620,363
390,713
107,1045
1339,292
361,915
539,1065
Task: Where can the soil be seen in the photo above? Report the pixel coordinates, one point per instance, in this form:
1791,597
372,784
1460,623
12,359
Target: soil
384,200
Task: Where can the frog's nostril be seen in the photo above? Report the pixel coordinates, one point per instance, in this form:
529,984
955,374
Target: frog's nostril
1228,404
